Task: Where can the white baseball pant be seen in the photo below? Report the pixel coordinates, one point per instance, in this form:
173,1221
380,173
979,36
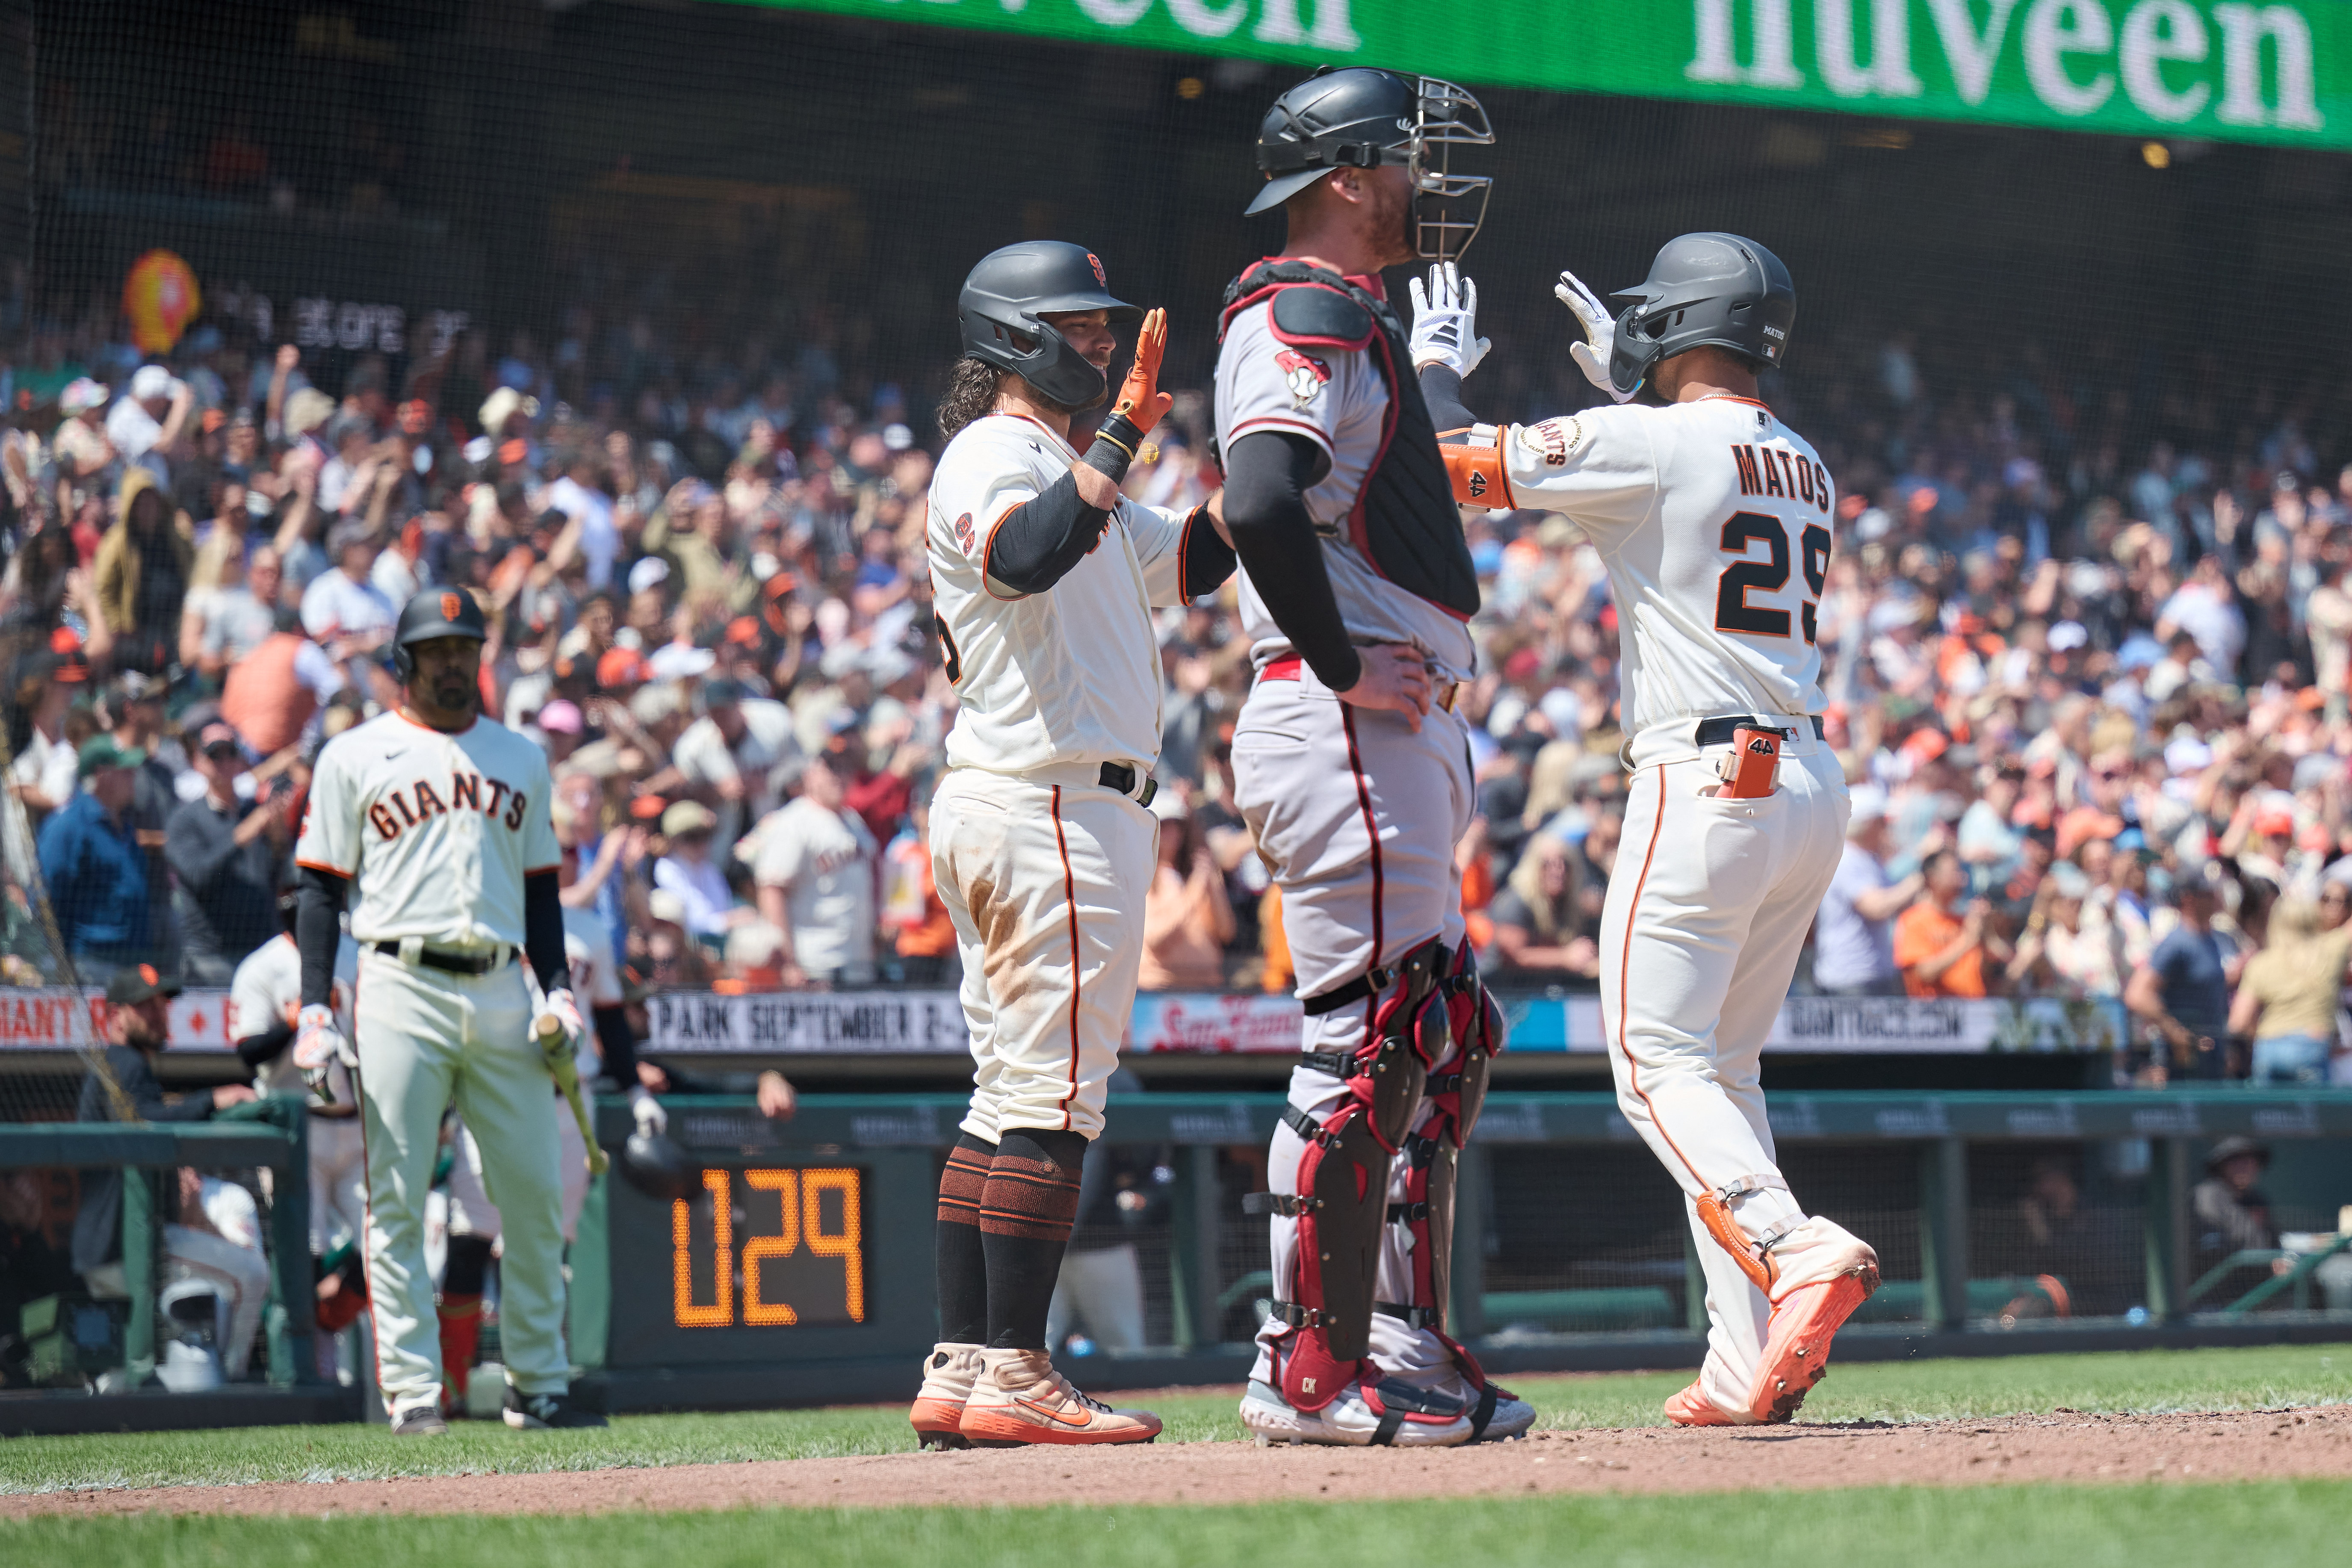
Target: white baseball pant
1045,882
1358,817
424,1036
1707,910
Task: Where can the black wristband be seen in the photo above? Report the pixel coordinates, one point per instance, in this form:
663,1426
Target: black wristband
1115,444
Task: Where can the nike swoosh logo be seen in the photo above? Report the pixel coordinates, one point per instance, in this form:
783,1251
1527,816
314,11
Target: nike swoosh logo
1054,1416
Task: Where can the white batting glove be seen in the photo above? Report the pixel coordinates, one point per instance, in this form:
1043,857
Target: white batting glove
1591,356
652,1120
1445,322
318,1044
566,1012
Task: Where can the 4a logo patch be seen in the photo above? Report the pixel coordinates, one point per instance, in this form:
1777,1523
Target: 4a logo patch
1304,374
963,533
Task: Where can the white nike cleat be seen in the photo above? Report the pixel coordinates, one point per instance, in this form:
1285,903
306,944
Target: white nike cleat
1388,1415
1020,1399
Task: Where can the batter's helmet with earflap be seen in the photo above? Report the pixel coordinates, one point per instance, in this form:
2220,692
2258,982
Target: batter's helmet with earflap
1705,289
657,1166
1006,294
434,613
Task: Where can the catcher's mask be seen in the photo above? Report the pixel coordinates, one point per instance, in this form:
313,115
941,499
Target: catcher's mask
1361,118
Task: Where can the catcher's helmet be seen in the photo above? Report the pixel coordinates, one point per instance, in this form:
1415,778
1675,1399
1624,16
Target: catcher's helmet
434,613
1361,118
1704,288
1004,296
655,1165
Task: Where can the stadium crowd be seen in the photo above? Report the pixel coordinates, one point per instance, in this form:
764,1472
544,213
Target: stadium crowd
2085,657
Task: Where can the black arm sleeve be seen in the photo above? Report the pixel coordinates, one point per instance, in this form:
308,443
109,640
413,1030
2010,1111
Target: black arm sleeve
317,930
1267,476
1044,537
254,1049
1441,388
1208,559
616,1044
543,930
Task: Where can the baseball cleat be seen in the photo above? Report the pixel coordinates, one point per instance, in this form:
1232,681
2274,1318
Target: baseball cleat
1692,1407
1797,1350
1020,1399
1497,1415
1389,1414
949,1373
419,1421
547,1412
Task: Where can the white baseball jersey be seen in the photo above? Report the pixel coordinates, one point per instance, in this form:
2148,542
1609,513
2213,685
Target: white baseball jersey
1068,676
1337,399
1713,520
436,831
268,985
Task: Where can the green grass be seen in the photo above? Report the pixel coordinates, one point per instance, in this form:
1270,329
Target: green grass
2011,1527
2264,1377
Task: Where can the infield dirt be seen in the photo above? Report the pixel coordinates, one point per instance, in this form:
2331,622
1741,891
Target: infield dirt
2064,1446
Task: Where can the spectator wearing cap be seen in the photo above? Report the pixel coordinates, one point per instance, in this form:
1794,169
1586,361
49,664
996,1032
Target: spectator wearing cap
141,576
344,606
138,709
814,863
93,866
2288,995
2070,948
2182,992
229,856
1187,919
85,455
216,1237
560,729
734,752
1854,933
687,870
149,423
269,695
921,931
43,773
2231,1213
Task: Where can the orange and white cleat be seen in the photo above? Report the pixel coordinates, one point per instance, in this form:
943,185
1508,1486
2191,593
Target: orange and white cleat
1020,1399
949,1373
1692,1407
1797,1347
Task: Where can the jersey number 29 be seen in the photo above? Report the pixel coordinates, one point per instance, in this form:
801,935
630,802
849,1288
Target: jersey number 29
1741,532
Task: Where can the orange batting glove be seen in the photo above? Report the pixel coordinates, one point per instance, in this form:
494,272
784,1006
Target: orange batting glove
1140,402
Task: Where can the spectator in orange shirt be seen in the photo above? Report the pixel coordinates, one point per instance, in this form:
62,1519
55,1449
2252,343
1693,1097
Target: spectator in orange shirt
1940,947
923,934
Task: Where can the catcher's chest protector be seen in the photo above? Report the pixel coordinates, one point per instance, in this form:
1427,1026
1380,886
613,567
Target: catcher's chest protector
1404,520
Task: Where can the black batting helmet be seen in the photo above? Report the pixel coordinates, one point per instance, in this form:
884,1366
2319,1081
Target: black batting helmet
1704,288
1362,118
434,613
1004,296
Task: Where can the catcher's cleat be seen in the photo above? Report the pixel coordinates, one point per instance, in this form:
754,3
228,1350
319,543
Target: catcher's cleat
1388,1415
949,1373
1019,1399
1692,1407
1797,1350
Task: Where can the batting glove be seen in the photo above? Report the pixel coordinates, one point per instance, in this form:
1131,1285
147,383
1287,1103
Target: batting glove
1445,322
1591,356
652,1119
565,1042
318,1044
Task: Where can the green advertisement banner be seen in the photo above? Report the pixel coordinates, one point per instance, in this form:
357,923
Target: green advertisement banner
2227,69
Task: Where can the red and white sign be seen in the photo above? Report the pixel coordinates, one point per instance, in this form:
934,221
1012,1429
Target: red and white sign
55,1018
1207,1022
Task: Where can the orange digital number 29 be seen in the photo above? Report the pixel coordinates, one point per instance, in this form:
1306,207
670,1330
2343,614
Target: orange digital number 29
800,1201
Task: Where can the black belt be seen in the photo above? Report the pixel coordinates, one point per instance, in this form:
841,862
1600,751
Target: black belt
1120,777
1369,983
1718,731
454,963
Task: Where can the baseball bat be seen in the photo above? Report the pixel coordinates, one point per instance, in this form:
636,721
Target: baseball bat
566,1072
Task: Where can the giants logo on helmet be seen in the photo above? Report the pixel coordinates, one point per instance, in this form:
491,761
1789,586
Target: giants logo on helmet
450,607
1304,374
1095,262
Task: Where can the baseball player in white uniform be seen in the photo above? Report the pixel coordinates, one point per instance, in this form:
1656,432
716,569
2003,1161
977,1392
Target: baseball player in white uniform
265,998
474,1225
1713,520
1352,768
433,822
1044,579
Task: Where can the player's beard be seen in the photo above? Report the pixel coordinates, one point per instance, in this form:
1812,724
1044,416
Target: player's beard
141,1037
454,694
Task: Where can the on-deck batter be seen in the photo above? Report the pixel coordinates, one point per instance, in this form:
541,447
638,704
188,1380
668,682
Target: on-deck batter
1352,768
265,998
435,821
1713,520
1044,579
